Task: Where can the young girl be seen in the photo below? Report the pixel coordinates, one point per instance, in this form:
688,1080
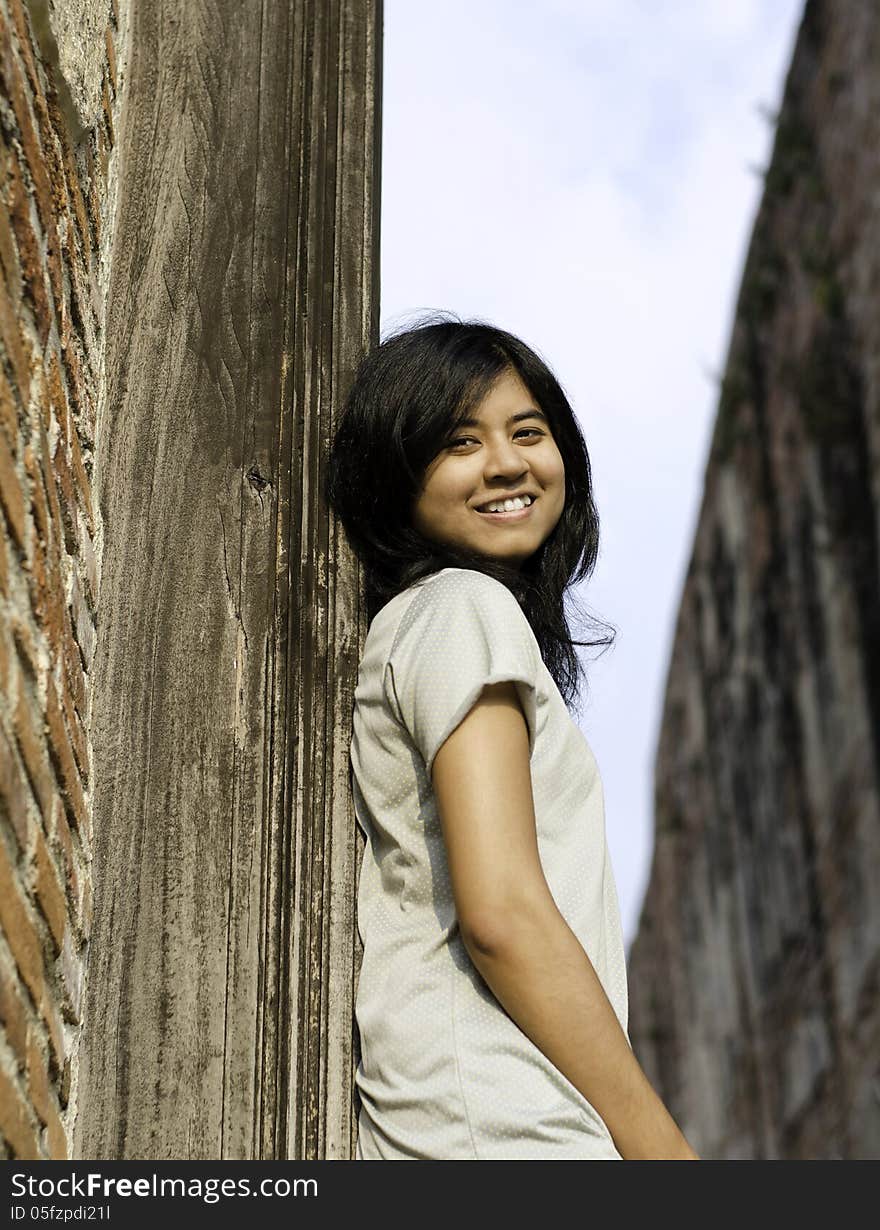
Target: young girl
492,1000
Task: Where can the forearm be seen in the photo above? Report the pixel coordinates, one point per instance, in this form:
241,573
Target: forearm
543,978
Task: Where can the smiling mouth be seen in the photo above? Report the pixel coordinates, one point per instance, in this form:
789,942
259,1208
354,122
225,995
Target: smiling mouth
514,514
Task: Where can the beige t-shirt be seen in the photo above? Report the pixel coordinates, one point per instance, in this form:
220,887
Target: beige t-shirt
445,1072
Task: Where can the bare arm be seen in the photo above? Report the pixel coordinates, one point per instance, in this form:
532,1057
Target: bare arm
519,941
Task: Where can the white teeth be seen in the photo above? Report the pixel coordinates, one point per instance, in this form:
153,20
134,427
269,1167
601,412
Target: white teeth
509,505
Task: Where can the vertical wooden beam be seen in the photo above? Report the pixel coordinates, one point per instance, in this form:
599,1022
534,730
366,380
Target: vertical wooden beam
244,290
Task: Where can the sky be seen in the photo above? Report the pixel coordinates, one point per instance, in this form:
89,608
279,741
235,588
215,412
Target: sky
585,174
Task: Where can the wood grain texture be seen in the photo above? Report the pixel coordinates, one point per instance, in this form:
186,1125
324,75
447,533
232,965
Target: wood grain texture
244,290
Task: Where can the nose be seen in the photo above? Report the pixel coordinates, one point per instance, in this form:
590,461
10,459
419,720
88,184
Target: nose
503,460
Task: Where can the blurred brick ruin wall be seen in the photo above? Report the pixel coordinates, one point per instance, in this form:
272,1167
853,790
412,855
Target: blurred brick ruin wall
754,975
60,77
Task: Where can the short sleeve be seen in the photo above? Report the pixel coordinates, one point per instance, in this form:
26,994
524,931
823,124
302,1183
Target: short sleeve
462,631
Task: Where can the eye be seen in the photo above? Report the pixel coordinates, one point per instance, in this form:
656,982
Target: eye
527,431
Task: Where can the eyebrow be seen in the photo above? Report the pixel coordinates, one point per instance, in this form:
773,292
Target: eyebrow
514,418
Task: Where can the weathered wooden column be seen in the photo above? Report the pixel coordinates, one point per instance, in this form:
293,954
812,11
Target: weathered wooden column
245,288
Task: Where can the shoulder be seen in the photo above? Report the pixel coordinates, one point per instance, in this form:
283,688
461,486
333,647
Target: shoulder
462,631
455,599
461,586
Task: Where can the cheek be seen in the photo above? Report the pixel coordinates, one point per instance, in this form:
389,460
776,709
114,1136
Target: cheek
556,476
424,509
555,470
440,498
448,492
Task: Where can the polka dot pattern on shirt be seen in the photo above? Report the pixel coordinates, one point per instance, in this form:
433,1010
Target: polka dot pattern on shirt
445,1072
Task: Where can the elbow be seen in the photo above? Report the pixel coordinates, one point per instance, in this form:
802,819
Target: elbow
478,939
506,928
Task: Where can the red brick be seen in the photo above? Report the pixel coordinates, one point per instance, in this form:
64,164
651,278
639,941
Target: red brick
64,1085
8,410
77,735
57,393
62,754
12,198
30,742
111,60
56,279
103,151
54,538
94,202
36,577
57,1137
85,487
51,611
45,450
34,267
67,498
63,653
47,136
38,496
17,348
70,358
17,94
13,1013
7,664
9,261
91,566
49,1012
11,494
73,678
27,646
60,834
14,790
59,124
24,43
108,113
38,1080
46,588
21,214
20,929
38,581
30,255
16,1122
49,892
80,300
59,831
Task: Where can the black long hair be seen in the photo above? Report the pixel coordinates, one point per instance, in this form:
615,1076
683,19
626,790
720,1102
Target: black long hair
408,393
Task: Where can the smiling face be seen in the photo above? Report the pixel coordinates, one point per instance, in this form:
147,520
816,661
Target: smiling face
506,448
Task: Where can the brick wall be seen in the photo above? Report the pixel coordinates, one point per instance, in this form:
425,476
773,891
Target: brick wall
57,200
